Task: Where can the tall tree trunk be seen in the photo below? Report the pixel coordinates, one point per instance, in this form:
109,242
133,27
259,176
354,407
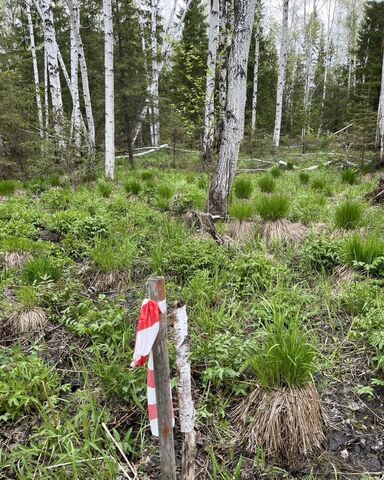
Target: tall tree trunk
233,129
46,94
109,92
255,79
380,116
154,86
54,75
74,6
281,75
213,40
86,91
35,68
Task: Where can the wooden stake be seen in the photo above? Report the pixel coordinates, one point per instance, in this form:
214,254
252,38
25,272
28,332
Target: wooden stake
156,289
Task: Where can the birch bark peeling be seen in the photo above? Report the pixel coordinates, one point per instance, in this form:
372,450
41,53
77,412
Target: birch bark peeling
109,91
76,113
35,67
380,116
233,128
255,79
154,86
281,74
213,40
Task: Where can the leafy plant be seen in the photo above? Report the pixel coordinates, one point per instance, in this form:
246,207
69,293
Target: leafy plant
304,178
266,184
349,176
272,207
42,268
241,211
132,186
243,187
348,215
7,187
104,188
321,254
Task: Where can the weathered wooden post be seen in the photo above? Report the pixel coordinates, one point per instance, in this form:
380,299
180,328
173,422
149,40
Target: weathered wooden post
156,289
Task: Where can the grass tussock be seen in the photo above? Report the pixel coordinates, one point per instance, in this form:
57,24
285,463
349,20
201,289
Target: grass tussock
272,207
304,178
41,269
241,231
348,215
283,231
241,211
104,188
132,187
112,255
16,259
349,176
27,320
275,171
267,184
243,188
7,187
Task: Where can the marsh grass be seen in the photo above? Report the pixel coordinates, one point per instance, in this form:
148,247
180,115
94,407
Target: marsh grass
348,215
243,188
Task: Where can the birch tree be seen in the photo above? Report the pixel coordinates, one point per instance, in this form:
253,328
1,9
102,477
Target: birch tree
213,39
28,5
74,6
51,50
233,127
255,77
109,91
281,74
154,85
380,114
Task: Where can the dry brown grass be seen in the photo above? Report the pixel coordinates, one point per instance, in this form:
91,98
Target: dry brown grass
16,259
110,281
287,423
241,232
283,230
25,321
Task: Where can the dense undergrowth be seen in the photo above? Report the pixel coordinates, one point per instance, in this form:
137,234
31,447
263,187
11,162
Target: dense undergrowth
90,250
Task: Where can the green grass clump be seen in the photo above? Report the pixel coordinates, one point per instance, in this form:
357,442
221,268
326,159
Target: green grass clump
366,253
41,269
104,188
7,187
286,358
348,215
114,254
148,175
319,184
266,184
275,171
241,211
17,244
304,178
54,180
272,207
165,191
243,188
290,165
132,187
349,176
27,296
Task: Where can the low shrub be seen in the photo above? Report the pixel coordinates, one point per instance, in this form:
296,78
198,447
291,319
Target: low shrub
41,269
243,187
132,187
349,176
272,207
241,211
7,187
266,184
348,215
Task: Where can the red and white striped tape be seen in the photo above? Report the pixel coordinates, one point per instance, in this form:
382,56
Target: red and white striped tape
147,331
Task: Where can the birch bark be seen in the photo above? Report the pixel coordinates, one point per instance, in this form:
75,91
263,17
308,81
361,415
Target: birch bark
380,116
281,74
54,74
35,67
74,6
233,128
154,86
213,39
46,94
255,79
109,91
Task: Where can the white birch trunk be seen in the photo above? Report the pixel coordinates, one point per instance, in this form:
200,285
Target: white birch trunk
74,6
54,74
213,40
46,94
35,68
255,80
281,74
380,116
109,92
233,128
154,86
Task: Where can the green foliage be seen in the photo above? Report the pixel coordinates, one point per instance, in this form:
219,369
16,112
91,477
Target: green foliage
304,178
241,211
18,244
286,358
243,187
272,207
275,171
114,254
366,254
321,254
42,269
7,187
26,384
27,296
266,184
349,215
132,186
349,176
104,188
